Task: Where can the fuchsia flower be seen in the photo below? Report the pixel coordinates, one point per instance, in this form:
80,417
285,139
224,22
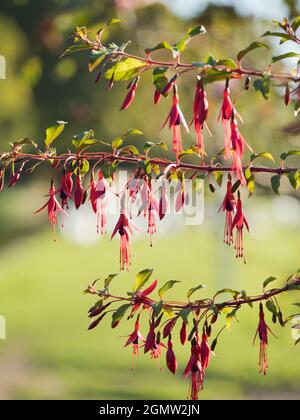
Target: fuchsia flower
194,369
97,196
78,192
175,119
238,144
163,202
262,331
131,94
65,191
183,333
226,114
239,222
200,114
125,228
205,352
228,206
15,177
171,358
135,338
53,207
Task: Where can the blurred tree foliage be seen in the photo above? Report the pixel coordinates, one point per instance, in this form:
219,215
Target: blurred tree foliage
41,88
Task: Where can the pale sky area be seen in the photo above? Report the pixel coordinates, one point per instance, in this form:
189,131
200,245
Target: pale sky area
268,9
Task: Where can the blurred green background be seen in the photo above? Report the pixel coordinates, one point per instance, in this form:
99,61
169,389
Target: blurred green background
48,352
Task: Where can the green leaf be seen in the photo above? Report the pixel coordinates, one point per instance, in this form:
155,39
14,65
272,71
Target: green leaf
149,145
108,280
184,314
251,185
119,314
294,178
179,47
96,57
251,47
230,317
226,62
263,85
296,304
164,45
275,183
168,285
53,132
219,178
133,132
116,143
130,149
159,78
285,155
246,298
281,35
20,143
235,186
84,167
84,139
272,307
76,48
297,108
265,155
268,281
114,21
284,56
296,23
157,307
141,279
125,70
194,289
234,293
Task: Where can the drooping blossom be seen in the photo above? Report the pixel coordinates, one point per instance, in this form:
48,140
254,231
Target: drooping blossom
165,90
15,177
97,195
125,229
175,119
228,206
149,206
194,369
238,144
183,332
205,352
53,207
226,115
171,358
163,201
262,332
66,187
135,337
131,94
200,114
78,192
238,223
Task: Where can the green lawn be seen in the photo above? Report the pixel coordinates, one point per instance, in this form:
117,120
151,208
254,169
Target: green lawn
49,353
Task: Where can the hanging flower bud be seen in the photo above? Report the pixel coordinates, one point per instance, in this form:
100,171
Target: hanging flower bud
66,187
175,119
15,177
183,333
171,358
169,327
200,114
131,94
239,222
151,338
1,179
238,144
226,114
287,96
228,206
78,192
205,352
157,96
163,202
